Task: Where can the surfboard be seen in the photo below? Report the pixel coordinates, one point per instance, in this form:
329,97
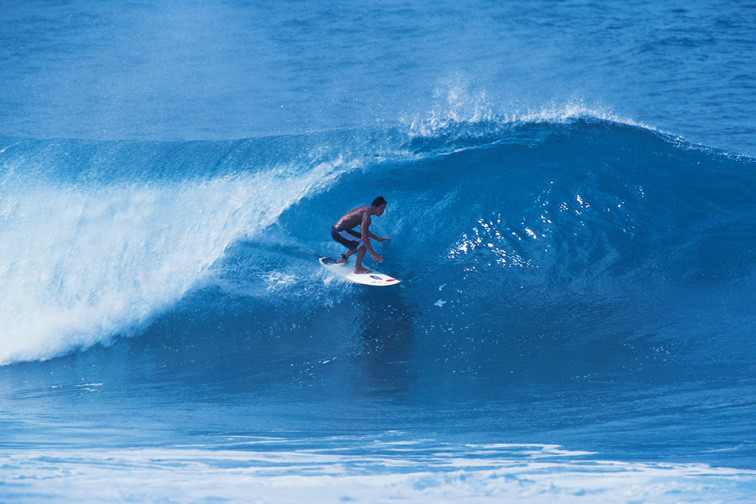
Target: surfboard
346,271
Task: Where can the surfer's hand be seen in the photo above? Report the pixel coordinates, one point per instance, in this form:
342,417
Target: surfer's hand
377,258
383,239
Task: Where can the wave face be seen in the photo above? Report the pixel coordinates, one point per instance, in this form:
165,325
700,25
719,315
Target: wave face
513,238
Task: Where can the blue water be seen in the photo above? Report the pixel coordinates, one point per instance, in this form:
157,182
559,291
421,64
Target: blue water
572,207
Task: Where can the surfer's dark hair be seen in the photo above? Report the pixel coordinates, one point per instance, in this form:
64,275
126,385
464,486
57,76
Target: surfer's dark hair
379,201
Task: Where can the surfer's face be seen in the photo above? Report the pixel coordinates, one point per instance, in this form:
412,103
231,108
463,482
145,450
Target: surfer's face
379,211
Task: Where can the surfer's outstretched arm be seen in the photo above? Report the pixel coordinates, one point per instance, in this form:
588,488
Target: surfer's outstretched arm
376,237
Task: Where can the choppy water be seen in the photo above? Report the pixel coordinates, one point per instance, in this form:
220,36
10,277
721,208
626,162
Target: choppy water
571,205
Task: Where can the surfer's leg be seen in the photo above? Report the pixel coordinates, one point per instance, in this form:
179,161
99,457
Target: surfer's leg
339,237
345,257
360,256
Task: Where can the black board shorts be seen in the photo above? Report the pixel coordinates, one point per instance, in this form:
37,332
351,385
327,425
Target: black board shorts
342,236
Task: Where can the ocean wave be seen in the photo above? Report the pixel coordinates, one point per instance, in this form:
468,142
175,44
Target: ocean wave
551,210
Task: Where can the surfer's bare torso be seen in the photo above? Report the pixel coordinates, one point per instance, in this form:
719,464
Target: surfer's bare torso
354,218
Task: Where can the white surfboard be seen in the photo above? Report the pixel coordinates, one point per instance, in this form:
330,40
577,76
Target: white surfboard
346,271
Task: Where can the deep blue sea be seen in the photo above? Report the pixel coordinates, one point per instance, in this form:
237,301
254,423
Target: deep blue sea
572,207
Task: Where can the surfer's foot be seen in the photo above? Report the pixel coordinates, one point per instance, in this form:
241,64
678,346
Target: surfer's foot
342,259
360,271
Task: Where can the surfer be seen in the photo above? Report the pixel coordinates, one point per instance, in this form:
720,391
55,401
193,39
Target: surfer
344,233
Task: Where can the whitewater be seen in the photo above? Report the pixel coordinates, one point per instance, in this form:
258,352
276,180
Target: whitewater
571,195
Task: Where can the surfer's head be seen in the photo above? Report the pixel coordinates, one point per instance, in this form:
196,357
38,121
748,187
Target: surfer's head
378,206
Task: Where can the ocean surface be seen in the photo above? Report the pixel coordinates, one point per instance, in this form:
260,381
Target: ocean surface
572,213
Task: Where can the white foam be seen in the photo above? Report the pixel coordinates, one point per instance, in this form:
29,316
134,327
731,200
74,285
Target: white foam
79,264
501,473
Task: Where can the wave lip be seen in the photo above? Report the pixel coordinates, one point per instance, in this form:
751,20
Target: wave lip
457,106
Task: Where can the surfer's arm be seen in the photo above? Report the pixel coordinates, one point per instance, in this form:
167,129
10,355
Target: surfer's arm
376,237
366,236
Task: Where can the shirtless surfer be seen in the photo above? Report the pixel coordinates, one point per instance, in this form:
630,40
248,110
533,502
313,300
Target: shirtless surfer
344,233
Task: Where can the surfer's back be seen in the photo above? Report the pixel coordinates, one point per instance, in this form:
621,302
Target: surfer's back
352,218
